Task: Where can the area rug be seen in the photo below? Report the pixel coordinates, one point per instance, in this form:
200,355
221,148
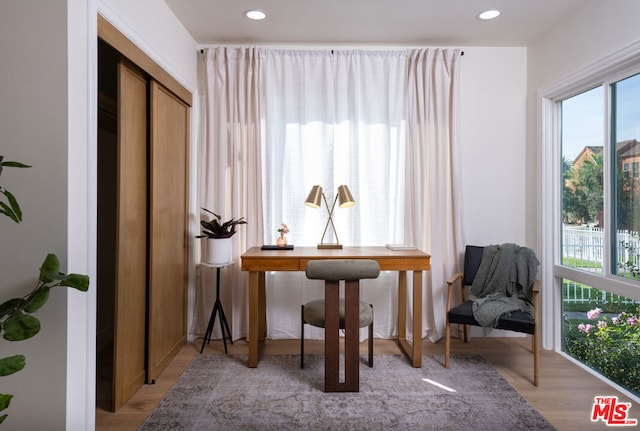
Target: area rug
218,392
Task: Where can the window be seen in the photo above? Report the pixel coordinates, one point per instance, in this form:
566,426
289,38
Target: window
599,221
318,133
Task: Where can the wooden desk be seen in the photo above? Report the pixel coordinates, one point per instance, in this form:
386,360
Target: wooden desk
257,261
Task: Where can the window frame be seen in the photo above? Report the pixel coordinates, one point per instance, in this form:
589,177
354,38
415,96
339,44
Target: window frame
613,68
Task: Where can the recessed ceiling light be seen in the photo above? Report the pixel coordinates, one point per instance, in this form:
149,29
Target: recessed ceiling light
489,14
255,14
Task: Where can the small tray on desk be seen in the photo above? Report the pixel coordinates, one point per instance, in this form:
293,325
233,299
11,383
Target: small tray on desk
400,247
277,247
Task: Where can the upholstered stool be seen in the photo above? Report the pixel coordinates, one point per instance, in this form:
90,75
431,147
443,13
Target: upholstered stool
313,314
334,314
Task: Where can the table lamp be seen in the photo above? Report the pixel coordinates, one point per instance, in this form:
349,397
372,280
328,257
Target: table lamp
345,200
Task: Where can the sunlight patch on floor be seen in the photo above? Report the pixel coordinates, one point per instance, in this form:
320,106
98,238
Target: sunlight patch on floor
440,385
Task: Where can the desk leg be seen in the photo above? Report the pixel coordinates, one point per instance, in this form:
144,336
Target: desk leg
402,305
417,319
414,349
262,307
253,318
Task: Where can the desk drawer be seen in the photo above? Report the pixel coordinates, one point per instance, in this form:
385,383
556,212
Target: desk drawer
271,265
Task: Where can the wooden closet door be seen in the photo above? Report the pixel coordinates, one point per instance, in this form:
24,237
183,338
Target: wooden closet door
169,122
129,364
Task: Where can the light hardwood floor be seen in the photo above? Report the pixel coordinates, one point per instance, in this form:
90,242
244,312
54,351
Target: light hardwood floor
564,397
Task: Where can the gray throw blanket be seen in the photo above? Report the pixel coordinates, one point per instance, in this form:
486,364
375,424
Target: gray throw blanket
503,283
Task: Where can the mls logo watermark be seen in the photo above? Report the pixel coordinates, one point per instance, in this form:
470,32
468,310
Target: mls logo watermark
610,411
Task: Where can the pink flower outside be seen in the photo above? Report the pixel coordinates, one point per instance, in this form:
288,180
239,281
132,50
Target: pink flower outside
594,314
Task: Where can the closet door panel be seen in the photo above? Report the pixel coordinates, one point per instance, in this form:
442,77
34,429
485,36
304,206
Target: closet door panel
169,120
131,237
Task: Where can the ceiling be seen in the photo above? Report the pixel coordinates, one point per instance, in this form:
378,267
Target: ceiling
376,22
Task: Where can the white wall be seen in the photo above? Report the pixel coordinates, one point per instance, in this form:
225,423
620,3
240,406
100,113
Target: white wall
33,129
493,144
154,28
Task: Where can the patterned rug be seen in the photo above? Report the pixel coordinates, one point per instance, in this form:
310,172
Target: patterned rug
218,392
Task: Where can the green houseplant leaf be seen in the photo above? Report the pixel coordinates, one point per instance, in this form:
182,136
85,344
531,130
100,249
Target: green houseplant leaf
9,306
76,281
37,299
5,400
11,364
50,269
20,327
214,229
12,210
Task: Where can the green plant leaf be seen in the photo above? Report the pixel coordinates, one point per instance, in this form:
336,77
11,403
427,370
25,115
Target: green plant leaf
6,210
13,203
50,269
15,164
20,327
37,299
11,364
77,281
10,305
2,418
5,400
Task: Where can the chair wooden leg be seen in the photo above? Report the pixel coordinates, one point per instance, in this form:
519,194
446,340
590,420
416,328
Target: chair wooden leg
536,358
447,344
302,338
371,339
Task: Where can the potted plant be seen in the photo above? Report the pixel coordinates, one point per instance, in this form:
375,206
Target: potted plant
16,320
218,235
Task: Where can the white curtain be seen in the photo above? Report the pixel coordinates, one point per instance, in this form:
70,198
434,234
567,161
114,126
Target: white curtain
230,175
332,118
383,122
434,179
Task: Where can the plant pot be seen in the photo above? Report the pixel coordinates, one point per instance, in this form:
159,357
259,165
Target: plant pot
218,251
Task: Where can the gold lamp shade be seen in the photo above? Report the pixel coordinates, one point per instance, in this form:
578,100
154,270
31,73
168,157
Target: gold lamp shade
345,200
314,200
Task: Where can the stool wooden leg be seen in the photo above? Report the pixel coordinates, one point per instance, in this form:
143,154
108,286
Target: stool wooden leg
331,337
302,337
351,336
371,339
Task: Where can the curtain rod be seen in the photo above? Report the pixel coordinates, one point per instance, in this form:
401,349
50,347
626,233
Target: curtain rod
202,52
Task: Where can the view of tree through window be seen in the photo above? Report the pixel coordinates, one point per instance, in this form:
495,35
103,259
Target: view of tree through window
600,328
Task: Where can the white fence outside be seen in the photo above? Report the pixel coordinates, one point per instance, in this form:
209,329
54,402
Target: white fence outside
583,248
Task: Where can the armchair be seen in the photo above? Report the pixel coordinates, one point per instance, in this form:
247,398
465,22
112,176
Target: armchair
518,321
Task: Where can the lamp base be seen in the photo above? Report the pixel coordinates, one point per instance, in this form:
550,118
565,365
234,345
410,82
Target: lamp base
330,246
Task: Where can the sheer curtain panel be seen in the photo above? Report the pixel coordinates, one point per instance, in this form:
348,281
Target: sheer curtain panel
230,175
434,181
